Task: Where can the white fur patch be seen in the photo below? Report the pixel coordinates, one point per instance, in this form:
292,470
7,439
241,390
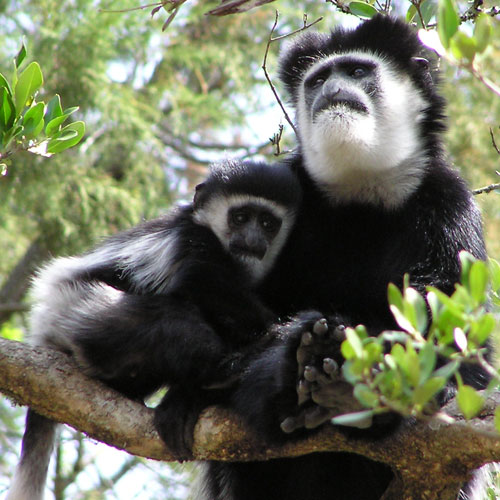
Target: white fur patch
214,216
371,157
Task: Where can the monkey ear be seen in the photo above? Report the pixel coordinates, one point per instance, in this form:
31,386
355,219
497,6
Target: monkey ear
421,63
198,192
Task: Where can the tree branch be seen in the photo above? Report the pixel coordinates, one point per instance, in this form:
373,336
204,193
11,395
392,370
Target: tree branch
430,459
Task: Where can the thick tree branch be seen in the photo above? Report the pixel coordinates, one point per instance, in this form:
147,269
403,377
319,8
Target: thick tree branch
430,459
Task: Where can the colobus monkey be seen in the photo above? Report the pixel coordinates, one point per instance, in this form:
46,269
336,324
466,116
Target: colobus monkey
379,200
170,301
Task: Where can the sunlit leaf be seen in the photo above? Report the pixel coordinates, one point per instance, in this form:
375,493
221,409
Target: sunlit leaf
448,21
469,401
425,392
4,83
447,370
30,80
362,9
54,109
482,32
365,396
33,119
70,136
7,110
355,342
497,418
463,46
479,281
18,60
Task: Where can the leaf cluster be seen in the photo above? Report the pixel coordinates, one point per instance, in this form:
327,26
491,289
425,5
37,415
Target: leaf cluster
404,371
30,124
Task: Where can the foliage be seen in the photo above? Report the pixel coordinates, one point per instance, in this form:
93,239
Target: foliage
403,371
28,124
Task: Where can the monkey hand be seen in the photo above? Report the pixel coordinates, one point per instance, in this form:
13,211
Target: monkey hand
322,393
175,418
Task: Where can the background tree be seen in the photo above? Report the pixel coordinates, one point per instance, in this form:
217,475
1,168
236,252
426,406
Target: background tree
158,107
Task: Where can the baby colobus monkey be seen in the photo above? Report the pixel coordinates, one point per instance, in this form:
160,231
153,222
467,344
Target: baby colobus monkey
169,302
379,200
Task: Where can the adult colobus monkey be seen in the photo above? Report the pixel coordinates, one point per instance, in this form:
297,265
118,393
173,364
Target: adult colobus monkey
170,301
379,201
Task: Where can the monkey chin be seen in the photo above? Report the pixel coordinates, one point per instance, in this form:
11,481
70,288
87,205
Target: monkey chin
343,127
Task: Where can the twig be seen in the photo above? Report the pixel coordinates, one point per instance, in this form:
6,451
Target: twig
276,138
264,62
131,9
486,189
494,142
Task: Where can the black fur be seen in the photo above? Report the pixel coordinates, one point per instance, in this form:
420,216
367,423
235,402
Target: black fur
164,303
338,261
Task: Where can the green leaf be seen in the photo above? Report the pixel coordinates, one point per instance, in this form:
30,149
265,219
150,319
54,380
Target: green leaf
5,84
418,309
448,370
54,126
494,274
365,396
497,419
479,281
413,365
30,80
427,10
360,419
469,401
482,329
362,9
463,46
54,109
411,14
427,358
401,319
425,392
395,296
7,110
355,342
33,120
20,56
448,21
69,136
70,111
466,261
482,32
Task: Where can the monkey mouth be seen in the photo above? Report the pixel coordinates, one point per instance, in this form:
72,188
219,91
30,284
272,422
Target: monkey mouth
246,253
337,105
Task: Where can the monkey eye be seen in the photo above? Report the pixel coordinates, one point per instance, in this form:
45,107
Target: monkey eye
239,217
358,72
269,223
315,80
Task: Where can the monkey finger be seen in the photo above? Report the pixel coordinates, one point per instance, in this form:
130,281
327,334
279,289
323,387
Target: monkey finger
292,423
331,368
311,373
303,391
338,333
320,327
316,416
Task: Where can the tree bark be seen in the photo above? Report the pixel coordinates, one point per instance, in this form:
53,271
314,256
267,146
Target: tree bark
430,459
